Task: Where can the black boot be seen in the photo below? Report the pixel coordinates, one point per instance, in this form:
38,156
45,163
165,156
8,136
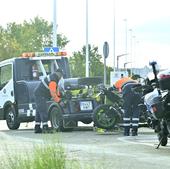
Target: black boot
46,129
37,129
126,131
134,131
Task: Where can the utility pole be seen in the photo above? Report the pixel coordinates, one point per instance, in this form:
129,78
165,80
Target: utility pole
114,34
131,54
54,24
87,43
125,20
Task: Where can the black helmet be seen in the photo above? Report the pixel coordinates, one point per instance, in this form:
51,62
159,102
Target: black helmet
55,76
60,71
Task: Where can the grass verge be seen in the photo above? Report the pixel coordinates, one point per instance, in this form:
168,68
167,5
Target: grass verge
44,156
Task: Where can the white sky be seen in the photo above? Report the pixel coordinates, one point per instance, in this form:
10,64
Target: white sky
148,19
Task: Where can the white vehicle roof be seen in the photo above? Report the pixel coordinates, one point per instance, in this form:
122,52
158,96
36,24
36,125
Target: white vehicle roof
7,61
45,58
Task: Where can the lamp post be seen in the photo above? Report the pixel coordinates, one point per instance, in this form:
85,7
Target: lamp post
54,24
118,56
131,44
136,45
114,34
87,45
125,20
126,64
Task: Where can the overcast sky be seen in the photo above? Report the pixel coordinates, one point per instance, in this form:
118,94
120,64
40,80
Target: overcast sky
149,21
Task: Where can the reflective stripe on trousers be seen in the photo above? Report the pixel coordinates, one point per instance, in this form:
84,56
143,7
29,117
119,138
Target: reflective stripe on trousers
135,122
126,122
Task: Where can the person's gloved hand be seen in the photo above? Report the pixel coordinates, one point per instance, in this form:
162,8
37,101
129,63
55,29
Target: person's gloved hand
62,103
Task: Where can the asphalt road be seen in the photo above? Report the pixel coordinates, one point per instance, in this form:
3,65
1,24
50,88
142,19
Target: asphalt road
98,150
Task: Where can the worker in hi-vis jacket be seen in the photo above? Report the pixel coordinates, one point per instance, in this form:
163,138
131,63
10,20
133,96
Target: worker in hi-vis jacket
44,91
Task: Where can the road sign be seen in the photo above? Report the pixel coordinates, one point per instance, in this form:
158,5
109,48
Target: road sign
106,49
51,49
106,54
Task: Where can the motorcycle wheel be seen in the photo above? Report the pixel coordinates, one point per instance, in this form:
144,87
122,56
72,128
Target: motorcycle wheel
105,116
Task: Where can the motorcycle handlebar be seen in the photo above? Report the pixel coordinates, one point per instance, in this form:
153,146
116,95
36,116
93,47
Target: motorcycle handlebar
153,64
144,89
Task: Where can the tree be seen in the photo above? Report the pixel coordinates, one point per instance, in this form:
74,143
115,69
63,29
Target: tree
27,37
96,67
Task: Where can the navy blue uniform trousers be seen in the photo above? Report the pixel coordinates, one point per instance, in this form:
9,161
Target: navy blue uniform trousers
131,109
41,109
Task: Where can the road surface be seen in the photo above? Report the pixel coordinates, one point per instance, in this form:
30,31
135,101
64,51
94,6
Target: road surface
98,150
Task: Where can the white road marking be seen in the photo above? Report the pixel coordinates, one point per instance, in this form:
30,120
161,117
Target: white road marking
143,139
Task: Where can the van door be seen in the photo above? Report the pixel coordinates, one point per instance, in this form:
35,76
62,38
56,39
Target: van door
6,85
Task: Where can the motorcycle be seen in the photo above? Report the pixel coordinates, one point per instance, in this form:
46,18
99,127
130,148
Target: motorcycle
158,105
110,115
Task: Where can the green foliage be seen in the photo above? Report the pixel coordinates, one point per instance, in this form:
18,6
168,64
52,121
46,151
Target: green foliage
47,156
77,64
96,67
56,157
33,35
27,37
135,76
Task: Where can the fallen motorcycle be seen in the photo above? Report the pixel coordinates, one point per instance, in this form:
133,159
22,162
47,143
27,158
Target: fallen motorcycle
107,115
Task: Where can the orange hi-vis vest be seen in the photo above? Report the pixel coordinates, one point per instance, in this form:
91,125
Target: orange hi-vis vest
54,92
121,81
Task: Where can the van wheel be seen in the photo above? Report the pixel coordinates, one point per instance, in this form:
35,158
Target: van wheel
56,118
11,119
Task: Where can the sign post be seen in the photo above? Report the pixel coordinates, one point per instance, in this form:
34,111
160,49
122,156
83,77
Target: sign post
106,54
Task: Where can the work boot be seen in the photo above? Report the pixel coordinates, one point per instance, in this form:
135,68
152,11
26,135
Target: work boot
126,131
134,131
46,129
37,129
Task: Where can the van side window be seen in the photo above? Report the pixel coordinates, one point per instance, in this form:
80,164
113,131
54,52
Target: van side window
47,66
5,75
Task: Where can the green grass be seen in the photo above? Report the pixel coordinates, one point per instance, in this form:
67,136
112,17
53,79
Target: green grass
46,156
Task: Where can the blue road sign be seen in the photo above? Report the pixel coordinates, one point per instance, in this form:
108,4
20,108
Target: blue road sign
51,49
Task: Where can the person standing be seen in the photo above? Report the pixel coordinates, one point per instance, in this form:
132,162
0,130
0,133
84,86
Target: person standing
131,109
44,91
118,84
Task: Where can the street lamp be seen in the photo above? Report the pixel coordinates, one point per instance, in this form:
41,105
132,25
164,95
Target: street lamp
118,56
126,64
